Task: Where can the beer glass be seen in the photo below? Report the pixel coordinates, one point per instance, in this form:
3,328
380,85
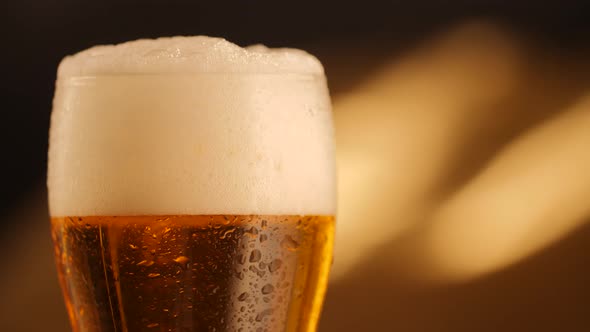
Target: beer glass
191,187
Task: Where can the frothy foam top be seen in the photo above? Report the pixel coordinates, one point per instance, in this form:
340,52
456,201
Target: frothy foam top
197,54
139,142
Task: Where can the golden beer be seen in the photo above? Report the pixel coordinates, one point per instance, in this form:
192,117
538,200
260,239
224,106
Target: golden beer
191,187
192,273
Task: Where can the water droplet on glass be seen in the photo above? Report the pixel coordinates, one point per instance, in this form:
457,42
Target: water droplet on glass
149,326
145,263
255,256
243,296
182,260
275,265
153,275
227,233
254,269
267,289
289,244
252,232
134,247
263,314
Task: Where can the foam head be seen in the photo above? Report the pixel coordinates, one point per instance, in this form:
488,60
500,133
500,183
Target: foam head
190,125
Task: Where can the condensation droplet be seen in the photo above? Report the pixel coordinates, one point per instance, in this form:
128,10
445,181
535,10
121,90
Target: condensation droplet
267,289
252,232
259,272
275,265
182,260
263,314
227,233
226,218
255,256
132,246
145,263
149,326
243,296
153,275
289,244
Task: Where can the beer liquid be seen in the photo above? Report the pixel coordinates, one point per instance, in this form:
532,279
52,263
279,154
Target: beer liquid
193,273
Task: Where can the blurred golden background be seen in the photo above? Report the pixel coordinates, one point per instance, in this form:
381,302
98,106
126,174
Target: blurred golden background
463,158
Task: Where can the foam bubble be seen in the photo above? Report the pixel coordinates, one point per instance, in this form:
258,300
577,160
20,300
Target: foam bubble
128,139
196,54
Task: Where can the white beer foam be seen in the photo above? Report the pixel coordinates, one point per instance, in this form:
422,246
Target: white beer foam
196,54
248,131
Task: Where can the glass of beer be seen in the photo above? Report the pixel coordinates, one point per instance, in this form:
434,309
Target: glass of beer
192,187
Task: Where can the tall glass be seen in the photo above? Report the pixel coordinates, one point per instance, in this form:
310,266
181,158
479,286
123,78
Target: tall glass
193,194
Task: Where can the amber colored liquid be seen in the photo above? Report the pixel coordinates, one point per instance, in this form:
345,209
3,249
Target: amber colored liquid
194,273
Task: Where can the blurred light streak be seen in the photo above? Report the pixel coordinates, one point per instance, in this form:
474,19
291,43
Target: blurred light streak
396,131
533,193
